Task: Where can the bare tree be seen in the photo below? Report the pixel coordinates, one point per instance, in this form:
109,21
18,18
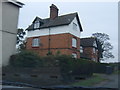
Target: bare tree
20,39
104,46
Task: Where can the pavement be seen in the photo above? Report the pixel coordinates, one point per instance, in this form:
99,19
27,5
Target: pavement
111,81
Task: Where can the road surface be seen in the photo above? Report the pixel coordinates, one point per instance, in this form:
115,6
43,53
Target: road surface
111,82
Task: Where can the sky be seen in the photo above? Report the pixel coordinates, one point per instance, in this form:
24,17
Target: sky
100,16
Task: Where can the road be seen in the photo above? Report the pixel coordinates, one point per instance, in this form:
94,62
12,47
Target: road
111,82
6,87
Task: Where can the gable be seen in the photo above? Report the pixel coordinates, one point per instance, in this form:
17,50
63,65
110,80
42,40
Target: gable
59,21
75,22
88,42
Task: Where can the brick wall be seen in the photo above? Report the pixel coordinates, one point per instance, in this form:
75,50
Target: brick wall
59,42
88,51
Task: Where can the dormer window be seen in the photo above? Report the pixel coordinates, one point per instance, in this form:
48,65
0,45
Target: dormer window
36,24
74,26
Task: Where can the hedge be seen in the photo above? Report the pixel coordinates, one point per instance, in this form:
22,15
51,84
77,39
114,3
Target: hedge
68,64
25,59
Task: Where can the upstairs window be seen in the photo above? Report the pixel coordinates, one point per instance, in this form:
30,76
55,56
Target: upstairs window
35,42
36,24
74,26
81,49
74,42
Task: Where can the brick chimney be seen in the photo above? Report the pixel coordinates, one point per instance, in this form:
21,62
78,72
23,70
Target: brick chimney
53,11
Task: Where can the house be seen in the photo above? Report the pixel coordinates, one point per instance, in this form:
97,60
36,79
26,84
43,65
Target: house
9,12
89,48
55,34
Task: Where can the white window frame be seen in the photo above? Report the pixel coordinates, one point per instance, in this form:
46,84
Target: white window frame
36,24
74,42
81,49
74,26
74,55
35,42
94,44
94,50
93,59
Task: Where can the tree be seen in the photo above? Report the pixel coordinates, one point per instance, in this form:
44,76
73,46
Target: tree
104,46
20,39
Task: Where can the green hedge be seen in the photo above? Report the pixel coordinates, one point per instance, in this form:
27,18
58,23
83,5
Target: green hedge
68,64
25,59
100,67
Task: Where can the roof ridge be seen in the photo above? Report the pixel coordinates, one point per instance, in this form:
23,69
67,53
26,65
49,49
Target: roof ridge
59,16
88,37
69,14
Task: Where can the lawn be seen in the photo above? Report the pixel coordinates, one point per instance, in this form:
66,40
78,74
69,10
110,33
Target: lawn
116,72
96,78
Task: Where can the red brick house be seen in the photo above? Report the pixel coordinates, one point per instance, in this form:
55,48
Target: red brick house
89,49
56,33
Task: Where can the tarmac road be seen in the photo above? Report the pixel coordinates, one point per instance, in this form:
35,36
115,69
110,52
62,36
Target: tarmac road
112,81
7,87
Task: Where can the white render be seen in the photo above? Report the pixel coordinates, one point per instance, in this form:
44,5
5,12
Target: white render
57,30
10,13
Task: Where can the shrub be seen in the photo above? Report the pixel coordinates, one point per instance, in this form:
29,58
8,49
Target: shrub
49,61
25,59
70,65
99,67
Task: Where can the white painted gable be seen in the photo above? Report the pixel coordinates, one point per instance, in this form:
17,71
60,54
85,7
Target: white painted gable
57,30
77,32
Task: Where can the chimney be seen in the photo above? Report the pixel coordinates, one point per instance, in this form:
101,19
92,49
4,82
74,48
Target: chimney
53,11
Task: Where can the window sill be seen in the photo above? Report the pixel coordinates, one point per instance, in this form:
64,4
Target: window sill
35,46
74,47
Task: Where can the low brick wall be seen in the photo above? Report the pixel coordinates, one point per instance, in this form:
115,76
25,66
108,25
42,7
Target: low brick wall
35,76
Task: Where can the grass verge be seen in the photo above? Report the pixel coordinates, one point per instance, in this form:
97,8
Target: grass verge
116,72
96,78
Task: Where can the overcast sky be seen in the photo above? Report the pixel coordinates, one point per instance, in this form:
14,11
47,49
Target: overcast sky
94,16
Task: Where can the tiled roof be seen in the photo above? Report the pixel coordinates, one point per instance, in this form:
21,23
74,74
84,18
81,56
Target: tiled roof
58,21
87,42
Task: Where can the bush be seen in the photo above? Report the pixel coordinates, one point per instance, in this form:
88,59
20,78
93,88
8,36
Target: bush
25,59
49,61
67,64
99,67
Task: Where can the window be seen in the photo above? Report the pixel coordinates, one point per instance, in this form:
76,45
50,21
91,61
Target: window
74,42
93,59
35,42
74,55
93,50
94,44
81,49
74,26
36,24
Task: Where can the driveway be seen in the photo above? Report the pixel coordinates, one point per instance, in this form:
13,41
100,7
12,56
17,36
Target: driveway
111,82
